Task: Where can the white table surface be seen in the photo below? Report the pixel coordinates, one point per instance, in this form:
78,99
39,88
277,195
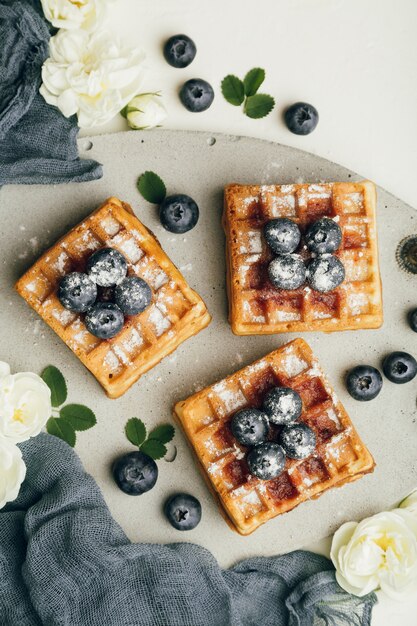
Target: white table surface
353,59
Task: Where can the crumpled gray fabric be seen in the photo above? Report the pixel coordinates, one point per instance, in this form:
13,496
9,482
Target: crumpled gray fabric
65,561
37,143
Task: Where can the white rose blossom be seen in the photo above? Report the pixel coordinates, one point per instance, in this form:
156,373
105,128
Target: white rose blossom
68,14
12,472
145,111
378,553
90,75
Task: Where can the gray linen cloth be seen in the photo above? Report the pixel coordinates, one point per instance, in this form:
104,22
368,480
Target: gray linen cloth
37,143
65,561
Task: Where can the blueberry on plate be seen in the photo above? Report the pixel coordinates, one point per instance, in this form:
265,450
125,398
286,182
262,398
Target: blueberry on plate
76,292
183,511
325,273
133,295
282,235
399,367
107,267
412,320
104,320
364,382
196,95
297,440
250,426
323,236
282,405
178,213
135,473
287,271
301,118
266,461
179,51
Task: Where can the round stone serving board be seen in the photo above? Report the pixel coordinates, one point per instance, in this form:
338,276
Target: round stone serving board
199,164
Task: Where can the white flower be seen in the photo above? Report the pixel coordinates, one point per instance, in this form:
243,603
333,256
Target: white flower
70,14
25,404
145,111
12,471
90,75
410,503
378,553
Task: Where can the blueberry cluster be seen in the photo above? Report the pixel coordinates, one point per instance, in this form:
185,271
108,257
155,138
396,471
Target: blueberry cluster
281,407
104,293
364,382
324,272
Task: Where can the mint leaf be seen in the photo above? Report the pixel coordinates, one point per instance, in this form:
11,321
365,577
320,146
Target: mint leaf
135,431
259,105
233,90
253,80
79,416
154,449
61,428
152,187
163,433
56,383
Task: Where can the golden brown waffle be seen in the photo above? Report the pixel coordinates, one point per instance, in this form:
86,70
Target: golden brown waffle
255,306
175,314
340,455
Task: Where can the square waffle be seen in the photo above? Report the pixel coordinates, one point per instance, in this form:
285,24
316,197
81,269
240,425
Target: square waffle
340,456
175,314
256,307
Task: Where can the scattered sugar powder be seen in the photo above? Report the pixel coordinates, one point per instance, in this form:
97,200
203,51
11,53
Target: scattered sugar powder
250,200
64,317
232,400
293,365
111,360
287,316
252,498
332,415
135,340
255,241
238,452
121,355
129,248
159,321
60,263
111,226
357,303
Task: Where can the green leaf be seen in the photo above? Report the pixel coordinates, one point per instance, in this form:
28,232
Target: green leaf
233,90
259,105
253,80
56,383
135,431
152,187
163,433
79,416
124,111
62,429
154,449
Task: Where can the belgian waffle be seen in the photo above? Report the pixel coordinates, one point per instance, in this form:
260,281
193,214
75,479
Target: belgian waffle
340,455
255,306
175,314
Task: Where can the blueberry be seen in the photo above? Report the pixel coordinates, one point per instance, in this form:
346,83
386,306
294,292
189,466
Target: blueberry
196,95
301,118
266,460
107,267
183,511
282,235
399,367
325,273
364,382
178,213
104,320
135,473
77,292
133,295
282,405
323,236
250,426
179,51
287,271
412,320
297,440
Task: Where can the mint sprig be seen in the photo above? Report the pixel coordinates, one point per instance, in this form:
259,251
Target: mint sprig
152,187
259,105
233,90
56,383
253,80
135,431
153,444
237,92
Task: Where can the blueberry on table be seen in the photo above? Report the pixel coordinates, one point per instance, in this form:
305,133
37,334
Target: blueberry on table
266,461
183,511
282,405
196,95
282,235
133,295
250,426
76,292
179,51
412,320
364,382
107,267
135,473
399,367
323,236
178,213
297,440
325,273
301,118
287,271
104,320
